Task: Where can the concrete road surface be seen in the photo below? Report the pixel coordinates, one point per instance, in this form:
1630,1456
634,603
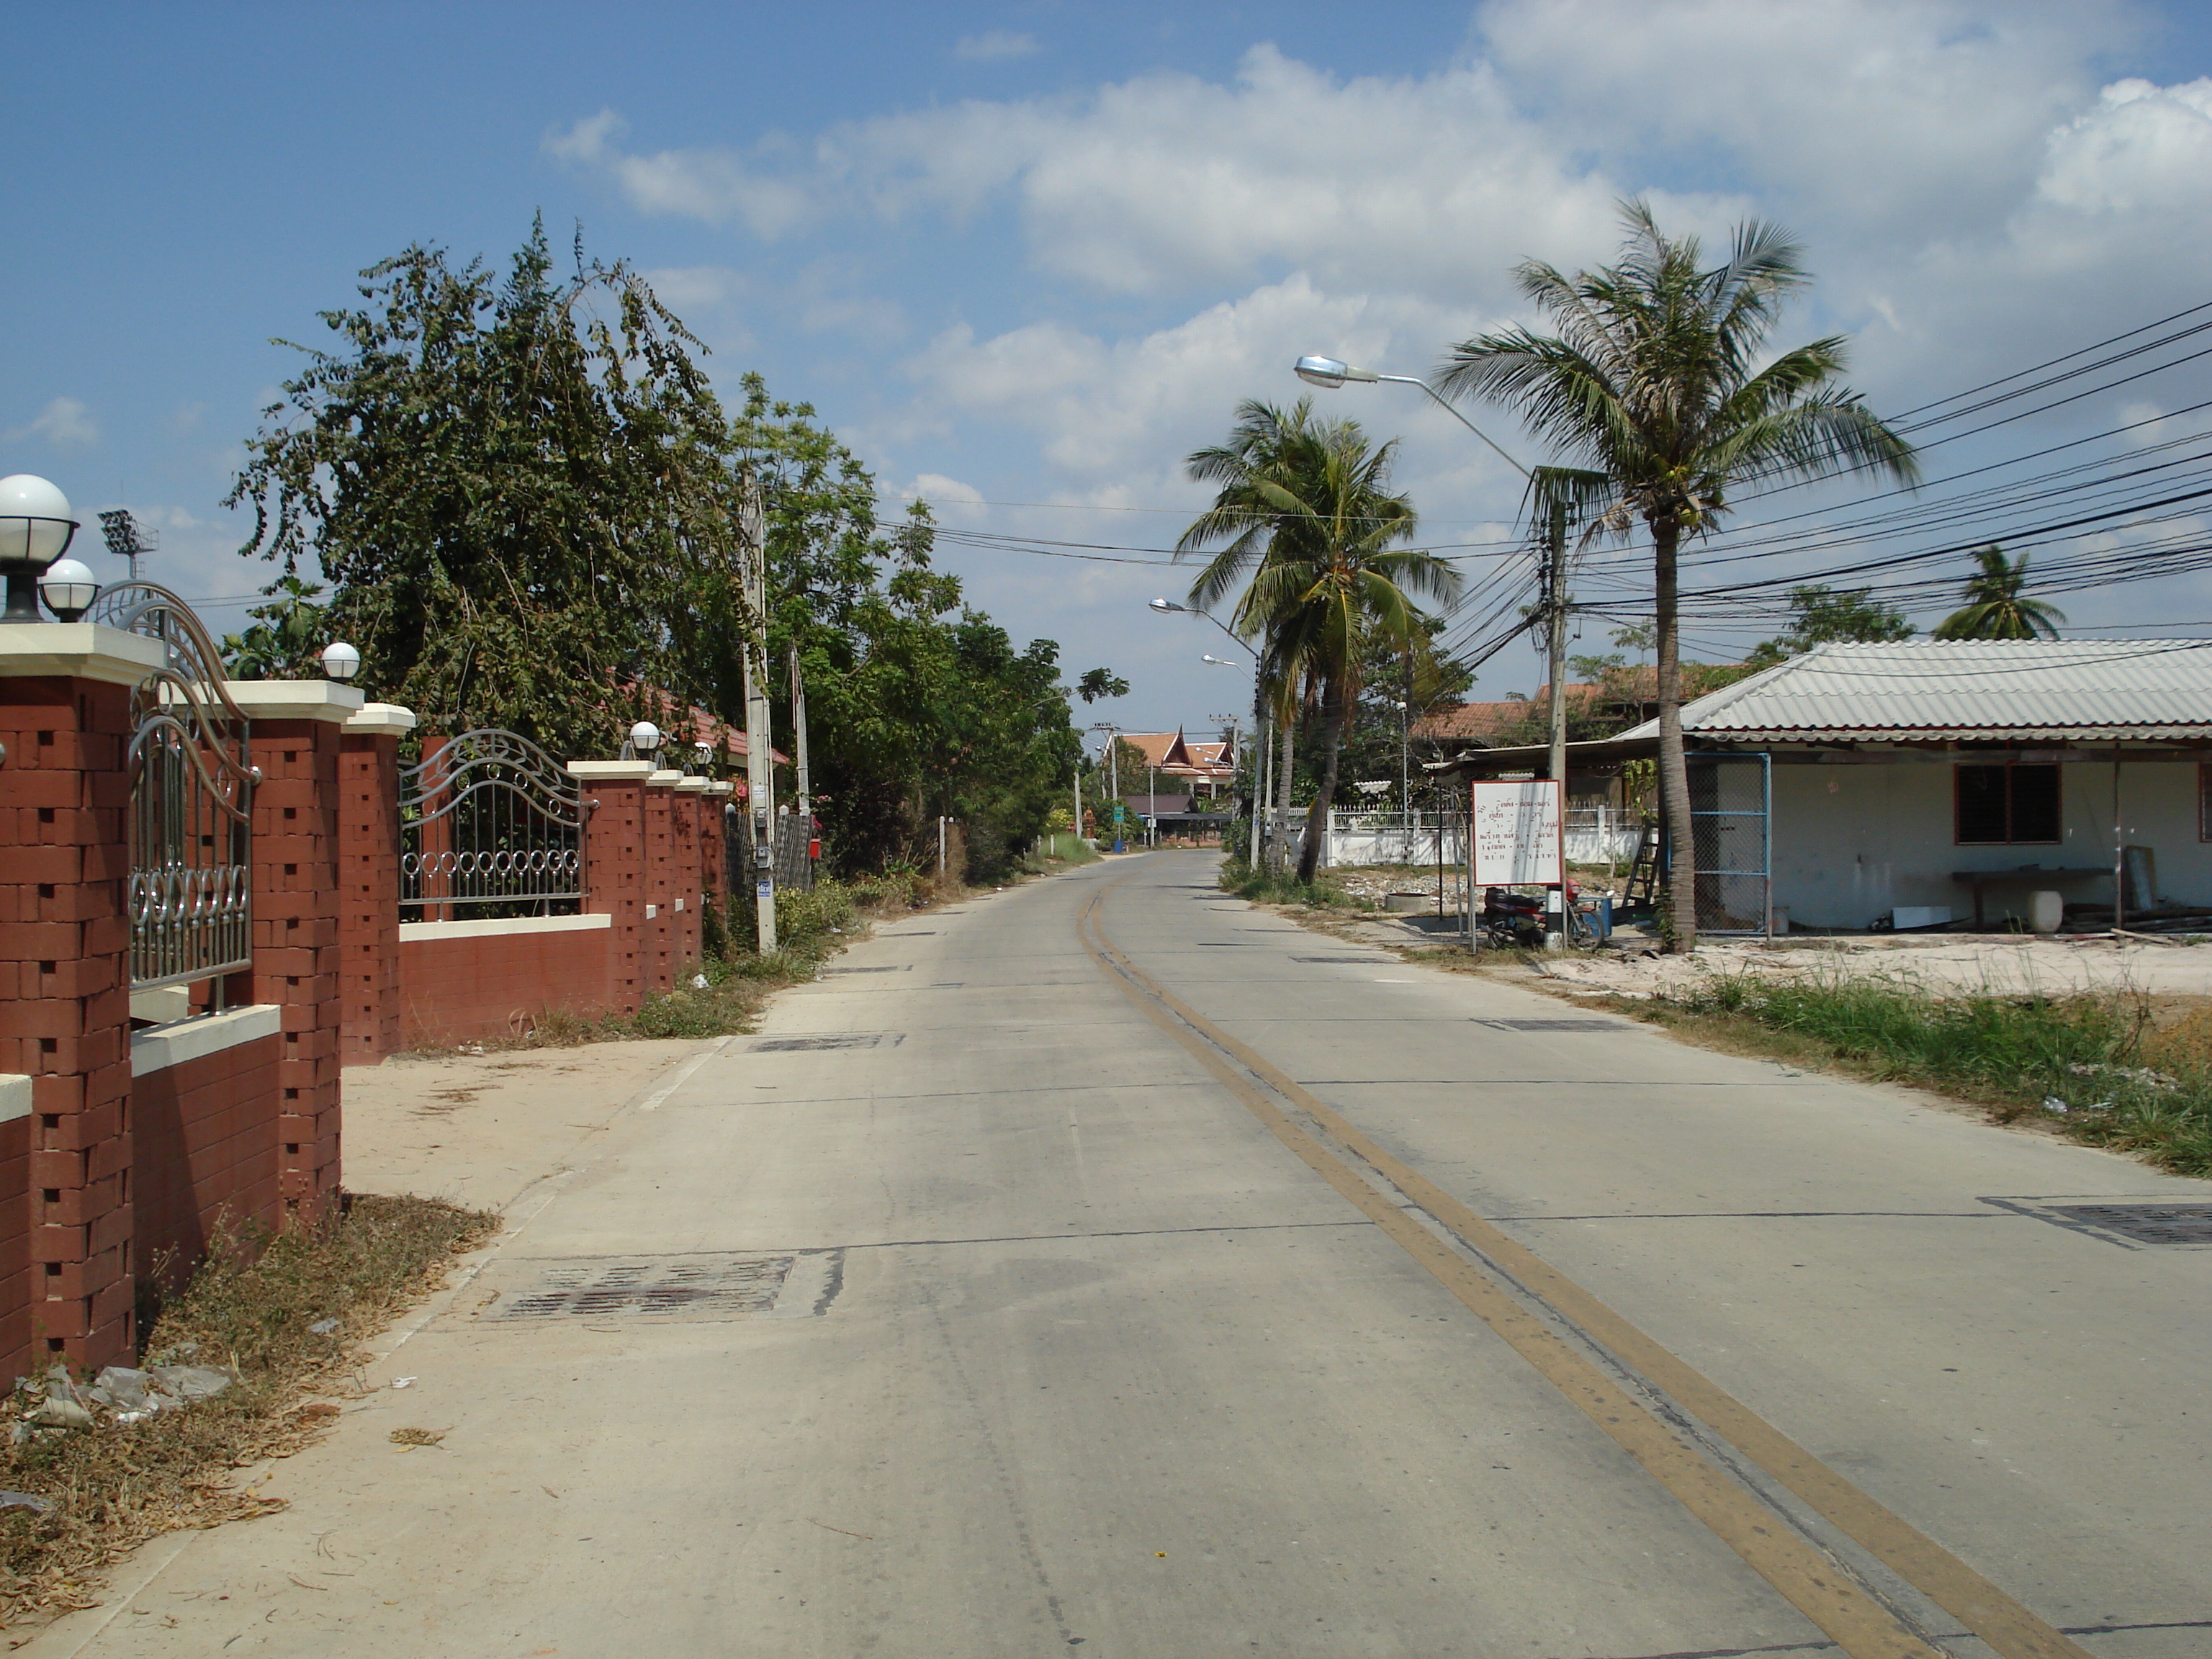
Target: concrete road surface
1106,1268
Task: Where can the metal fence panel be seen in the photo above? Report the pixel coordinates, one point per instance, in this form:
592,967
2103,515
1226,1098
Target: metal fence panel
1730,837
191,799
794,868
490,823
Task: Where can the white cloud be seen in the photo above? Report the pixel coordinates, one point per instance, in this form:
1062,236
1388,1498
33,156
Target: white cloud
995,46
2143,149
64,422
714,185
1971,196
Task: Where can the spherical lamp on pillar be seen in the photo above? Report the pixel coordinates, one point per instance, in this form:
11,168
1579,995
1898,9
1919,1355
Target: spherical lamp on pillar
340,660
35,528
68,588
644,739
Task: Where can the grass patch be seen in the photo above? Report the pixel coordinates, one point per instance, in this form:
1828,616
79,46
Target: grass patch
1065,850
247,1311
1321,893
2123,1081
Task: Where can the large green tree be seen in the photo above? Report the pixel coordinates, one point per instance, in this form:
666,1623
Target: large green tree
517,487
1657,380
1819,615
1304,516
524,492
1997,606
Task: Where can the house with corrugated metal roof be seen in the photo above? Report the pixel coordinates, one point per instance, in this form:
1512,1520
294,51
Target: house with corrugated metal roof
1928,782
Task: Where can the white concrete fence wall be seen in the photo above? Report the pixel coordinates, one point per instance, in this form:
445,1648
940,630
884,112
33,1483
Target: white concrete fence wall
1597,835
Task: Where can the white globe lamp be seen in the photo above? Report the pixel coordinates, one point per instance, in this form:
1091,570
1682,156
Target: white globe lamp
35,528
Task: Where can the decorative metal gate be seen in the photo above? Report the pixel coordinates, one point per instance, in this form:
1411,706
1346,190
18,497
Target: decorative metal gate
1730,796
191,799
491,822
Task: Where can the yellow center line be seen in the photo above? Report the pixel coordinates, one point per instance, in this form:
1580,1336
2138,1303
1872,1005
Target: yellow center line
1862,1625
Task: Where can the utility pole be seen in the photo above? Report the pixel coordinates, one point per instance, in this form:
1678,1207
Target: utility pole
759,750
1555,601
798,751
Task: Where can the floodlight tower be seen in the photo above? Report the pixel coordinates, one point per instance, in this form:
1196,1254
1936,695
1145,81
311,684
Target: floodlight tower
126,537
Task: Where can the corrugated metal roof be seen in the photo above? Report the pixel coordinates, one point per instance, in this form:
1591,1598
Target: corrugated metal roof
1966,690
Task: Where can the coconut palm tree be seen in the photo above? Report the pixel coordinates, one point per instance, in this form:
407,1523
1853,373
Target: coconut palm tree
1654,380
1303,513
1997,606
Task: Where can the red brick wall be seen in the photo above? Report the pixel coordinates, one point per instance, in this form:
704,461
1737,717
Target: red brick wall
64,1020
658,956
368,909
206,1152
495,985
16,1285
689,878
614,881
295,945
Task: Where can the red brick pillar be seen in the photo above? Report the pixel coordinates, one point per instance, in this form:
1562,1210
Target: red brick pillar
298,733
67,1290
369,872
614,870
661,890
714,863
689,807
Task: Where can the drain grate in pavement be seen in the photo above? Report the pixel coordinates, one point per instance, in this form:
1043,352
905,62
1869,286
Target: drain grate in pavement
1555,1024
1224,945
681,1287
892,968
2146,1224
1364,962
785,1045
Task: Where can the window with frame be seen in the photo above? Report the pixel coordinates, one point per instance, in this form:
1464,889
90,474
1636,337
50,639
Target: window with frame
2203,800
2006,804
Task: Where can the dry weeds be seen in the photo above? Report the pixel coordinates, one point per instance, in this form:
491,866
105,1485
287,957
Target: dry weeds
247,1310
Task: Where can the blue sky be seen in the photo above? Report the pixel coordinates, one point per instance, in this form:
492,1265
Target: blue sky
1034,254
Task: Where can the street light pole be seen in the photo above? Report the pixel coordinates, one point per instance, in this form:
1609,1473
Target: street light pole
1331,373
1167,607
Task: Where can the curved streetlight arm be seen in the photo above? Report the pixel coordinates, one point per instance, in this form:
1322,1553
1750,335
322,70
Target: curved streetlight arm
1330,373
1169,607
1441,402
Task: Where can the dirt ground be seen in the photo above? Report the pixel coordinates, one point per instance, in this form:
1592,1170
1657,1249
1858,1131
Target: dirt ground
477,1129
2011,966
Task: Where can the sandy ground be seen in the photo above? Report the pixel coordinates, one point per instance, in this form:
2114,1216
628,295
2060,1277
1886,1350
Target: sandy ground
2006,964
477,1129
1952,964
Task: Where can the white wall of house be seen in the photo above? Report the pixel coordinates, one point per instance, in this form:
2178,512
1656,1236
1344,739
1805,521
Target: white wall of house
1851,842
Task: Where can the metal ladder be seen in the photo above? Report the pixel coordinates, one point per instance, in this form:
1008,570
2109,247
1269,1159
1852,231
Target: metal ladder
1642,890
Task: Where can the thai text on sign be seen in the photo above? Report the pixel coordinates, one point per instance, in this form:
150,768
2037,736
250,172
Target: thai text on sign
1517,835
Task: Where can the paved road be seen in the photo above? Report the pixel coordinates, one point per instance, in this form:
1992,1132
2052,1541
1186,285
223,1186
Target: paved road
1105,1267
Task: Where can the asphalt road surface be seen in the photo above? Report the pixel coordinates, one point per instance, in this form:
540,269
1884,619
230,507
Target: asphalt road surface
1105,1267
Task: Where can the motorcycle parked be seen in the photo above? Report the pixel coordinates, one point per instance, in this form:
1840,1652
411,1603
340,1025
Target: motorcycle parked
1513,920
